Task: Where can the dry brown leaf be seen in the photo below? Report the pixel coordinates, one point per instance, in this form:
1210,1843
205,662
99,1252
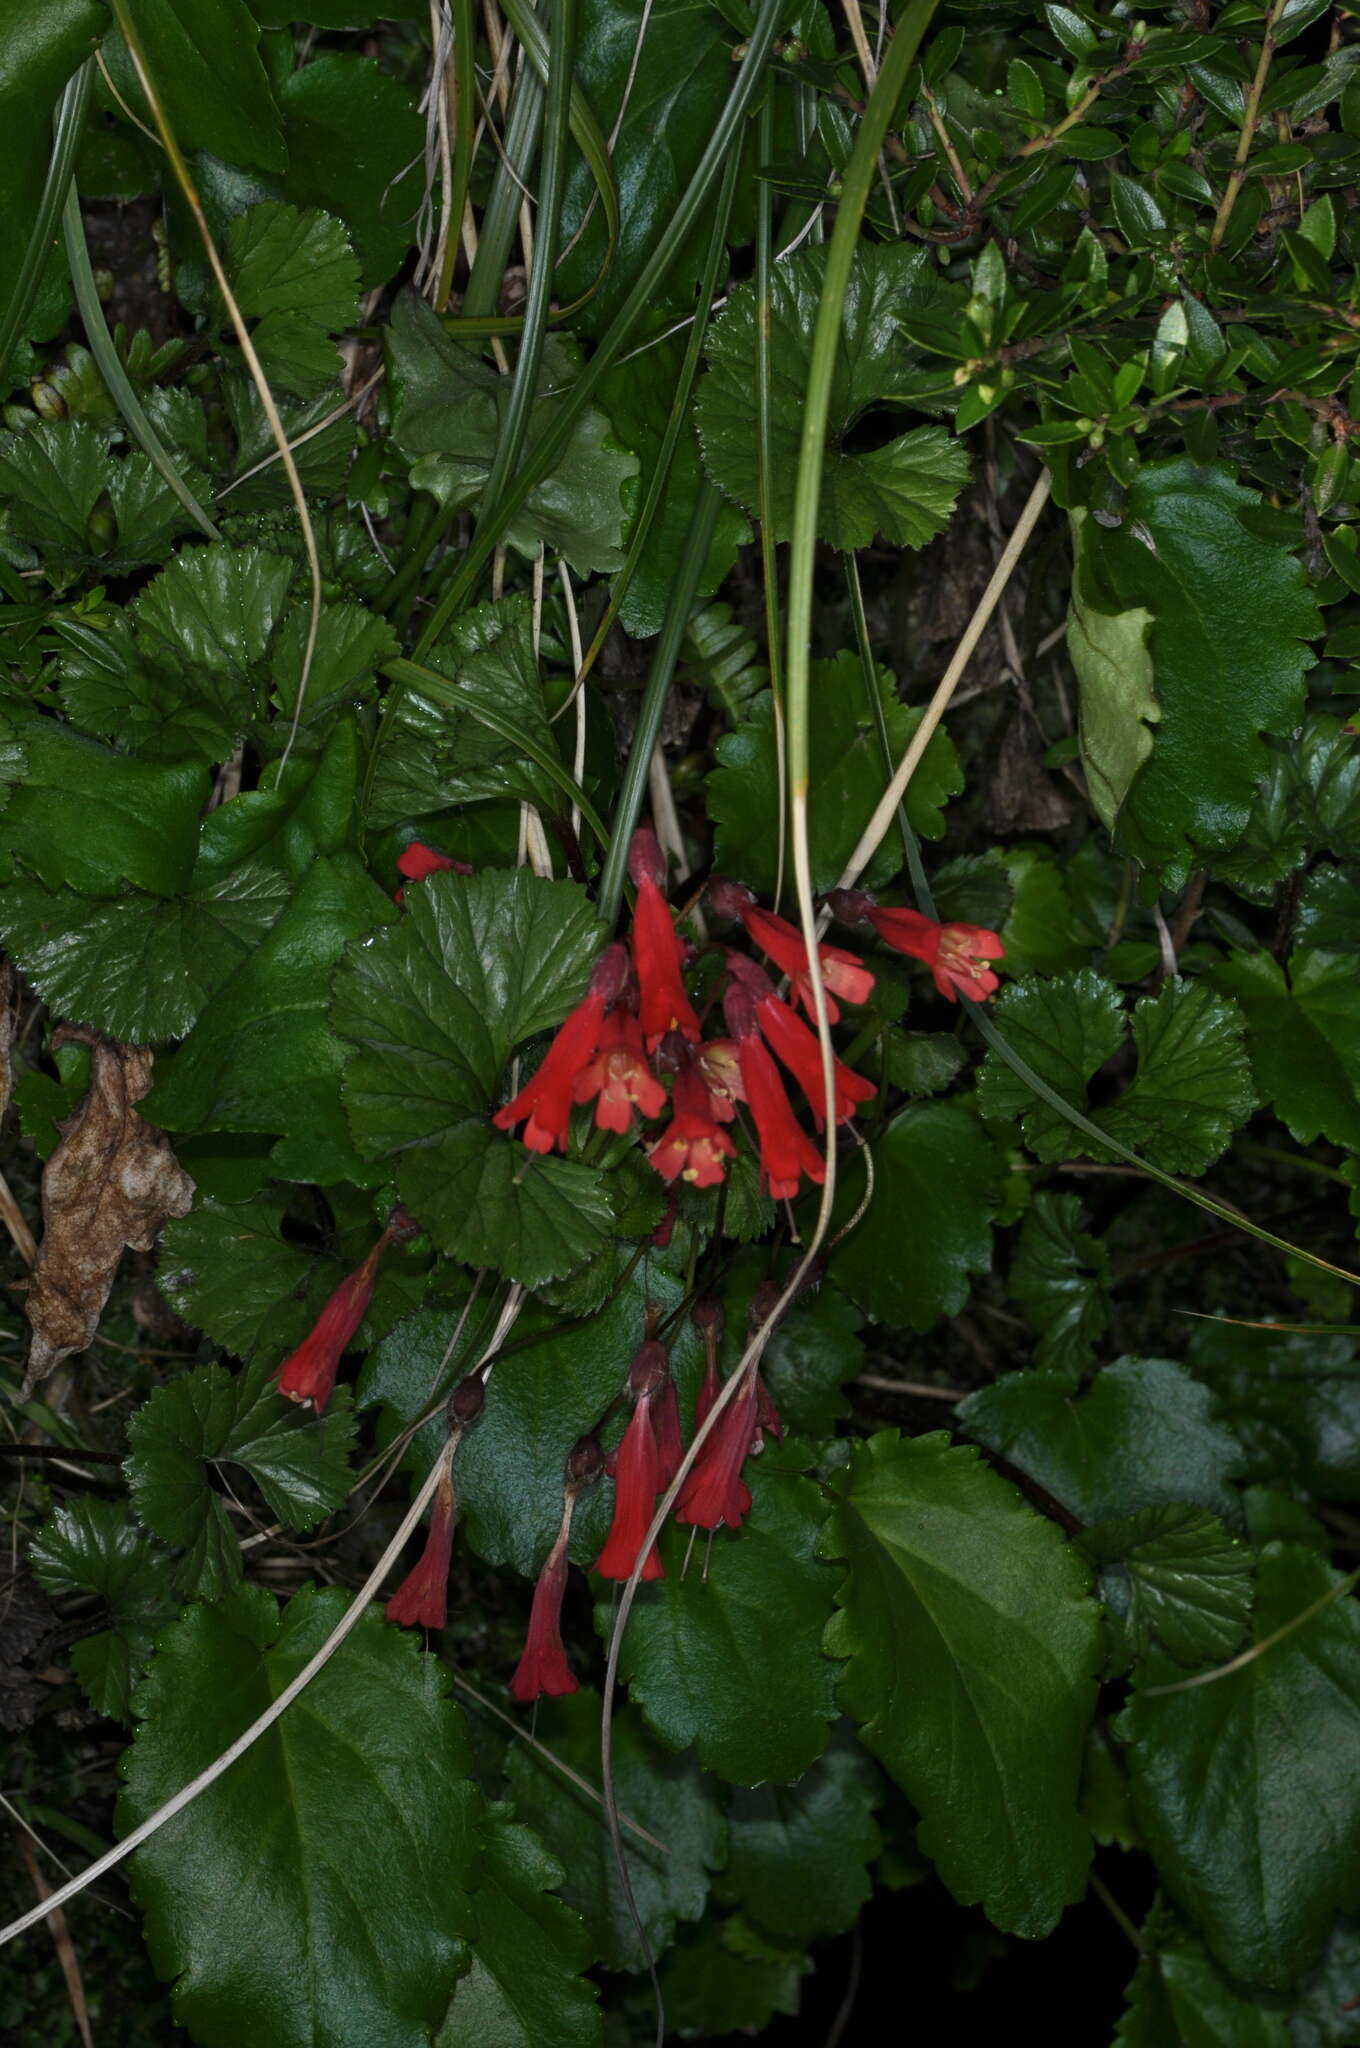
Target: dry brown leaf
111,1184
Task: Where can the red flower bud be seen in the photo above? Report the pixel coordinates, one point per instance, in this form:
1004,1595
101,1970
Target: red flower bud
715,1491
422,1598
416,861
544,1667
637,1478
309,1373
658,950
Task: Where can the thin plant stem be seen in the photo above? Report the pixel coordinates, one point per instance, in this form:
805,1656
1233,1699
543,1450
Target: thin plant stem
628,809
1250,113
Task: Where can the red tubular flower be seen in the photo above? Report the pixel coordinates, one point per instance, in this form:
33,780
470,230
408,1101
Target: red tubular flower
692,1147
544,1667
546,1099
715,1490
637,1474
619,1076
956,954
843,974
786,1151
422,1598
416,861
309,1374
799,1049
658,950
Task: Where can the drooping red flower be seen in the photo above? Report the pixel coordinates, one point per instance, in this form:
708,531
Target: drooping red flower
798,1048
417,860
715,1490
843,974
619,1075
786,1151
637,1474
546,1100
309,1373
422,1598
692,1147
956,954
544,1667
658,949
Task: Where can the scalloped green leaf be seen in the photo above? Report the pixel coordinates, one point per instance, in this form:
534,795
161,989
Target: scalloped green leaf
433,1008
703,1645
523,1986
1232,613
906,487
935,1165
743,790
319,1892
94,1546
1248,1790
1144,1432
973,1645
208,1418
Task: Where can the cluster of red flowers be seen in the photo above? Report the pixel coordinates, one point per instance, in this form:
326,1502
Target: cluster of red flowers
636,1028
642,1468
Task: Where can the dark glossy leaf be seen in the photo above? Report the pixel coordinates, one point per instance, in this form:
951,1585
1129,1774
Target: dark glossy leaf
94,1546
798,1852
262,1058
434,755
1191,1088
320,1890
80,507
638,394
667,1795
1230,613
705,1644
743,790
1144,1432
136,966
973,1647
449,418
905,487
210,1418
1176,1576
433,1008
1248,1788
295,276
935,1164
1304,1033
524,1985
1294,1402
682,79
205,64
92,819
1060,1277
227,1271
355,140
724,1977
